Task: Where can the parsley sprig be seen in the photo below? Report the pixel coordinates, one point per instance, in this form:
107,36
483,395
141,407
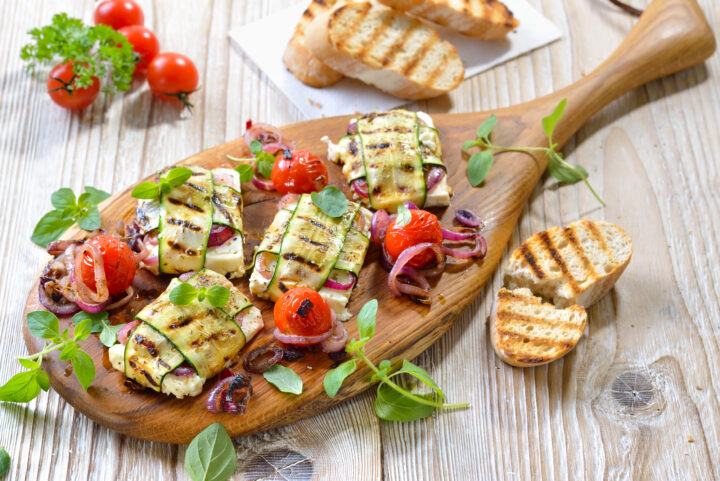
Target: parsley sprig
183,294
394,402
95,51
480,162
151,190
25,386
69,210
264,161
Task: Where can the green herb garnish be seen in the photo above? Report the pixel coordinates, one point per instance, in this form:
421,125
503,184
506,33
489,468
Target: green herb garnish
69,210
95,51
25,386
403,216
480,162
4,462
174,178
265,162
331,201
99,323
183,294
211,455
393,402
284,379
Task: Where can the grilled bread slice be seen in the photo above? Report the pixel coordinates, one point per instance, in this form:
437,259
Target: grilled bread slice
576,264
299,60
483,19
398,54
527,332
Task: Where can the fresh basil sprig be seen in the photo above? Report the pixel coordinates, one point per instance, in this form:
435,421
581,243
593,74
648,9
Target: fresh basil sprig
211,455
183,294
99,323
4,462
25,386
284,378
69,210
403,216
176,177
265,162
393,402
331,201
480,162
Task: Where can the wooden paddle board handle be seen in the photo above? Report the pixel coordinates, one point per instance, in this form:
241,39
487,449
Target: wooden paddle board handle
671,35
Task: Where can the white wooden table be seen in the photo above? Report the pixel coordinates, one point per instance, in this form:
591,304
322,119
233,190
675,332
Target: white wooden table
639,398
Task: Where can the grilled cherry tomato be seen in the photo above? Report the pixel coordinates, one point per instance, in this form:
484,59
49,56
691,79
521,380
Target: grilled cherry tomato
302,312
172,76
423,227
119,264
119,13
299,172
145,45
63,91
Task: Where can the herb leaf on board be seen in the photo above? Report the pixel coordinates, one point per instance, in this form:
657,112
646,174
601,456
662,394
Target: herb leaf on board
211,455
284,378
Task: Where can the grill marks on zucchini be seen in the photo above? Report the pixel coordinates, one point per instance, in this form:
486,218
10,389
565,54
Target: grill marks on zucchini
227,207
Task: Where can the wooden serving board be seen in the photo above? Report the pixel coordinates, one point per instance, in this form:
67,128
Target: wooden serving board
671,35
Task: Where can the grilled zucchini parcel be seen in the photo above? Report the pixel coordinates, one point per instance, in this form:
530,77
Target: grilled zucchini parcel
205,337
393,157
186,223
305,247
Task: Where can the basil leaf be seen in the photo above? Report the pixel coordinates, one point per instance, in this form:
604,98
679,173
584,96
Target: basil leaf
146,190
356,344
403,216
43,379
564,172
177,176
84,368
90,220
96,195
83,201
183,294
246,172
218,296
384,368
265,163
211,455
69,351
486,127
97,320
63,198
255,147
421,374
28,363
391,405
4,462
108,336
43,324
82,330
479,166
284,379
470,144
335,377
51,227
366,319
21,388
331,201
551,120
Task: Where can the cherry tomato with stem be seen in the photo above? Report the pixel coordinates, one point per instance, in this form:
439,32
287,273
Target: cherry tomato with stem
299,172
118,260
302,312
119,13
173,76
63,90
423,227
145,47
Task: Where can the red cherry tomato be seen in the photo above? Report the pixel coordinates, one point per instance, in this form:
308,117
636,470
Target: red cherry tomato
172,76
302,173
423,227
144,43
302,312
119,13
118,260
63,91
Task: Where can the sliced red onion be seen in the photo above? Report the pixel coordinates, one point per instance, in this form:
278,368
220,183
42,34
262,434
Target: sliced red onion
150,261
397,287
386,260
275,147
257,361
183,370
287,200
126,330
263,133
230,395
379,226
85,294
360,187
416,276
410,205
300,340
187,275
339,286
433,176
219,234
92,308
262,184
63,308
129,294
468,218
352,127
451,235
480,250
338,338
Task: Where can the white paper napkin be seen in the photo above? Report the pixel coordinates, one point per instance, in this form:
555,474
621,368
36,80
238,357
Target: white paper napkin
349,95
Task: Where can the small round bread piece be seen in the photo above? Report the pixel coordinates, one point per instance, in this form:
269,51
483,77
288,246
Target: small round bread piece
526,332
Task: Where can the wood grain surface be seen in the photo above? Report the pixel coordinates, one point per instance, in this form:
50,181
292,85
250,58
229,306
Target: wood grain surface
635,400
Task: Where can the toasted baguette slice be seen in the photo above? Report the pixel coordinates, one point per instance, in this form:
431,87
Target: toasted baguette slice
576,264
527,332
483,19
300,61
398,54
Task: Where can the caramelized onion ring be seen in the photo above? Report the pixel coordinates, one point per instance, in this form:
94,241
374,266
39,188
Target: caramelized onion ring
257,363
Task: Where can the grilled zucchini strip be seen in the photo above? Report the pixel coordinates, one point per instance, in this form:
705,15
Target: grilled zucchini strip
227,207
149,356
